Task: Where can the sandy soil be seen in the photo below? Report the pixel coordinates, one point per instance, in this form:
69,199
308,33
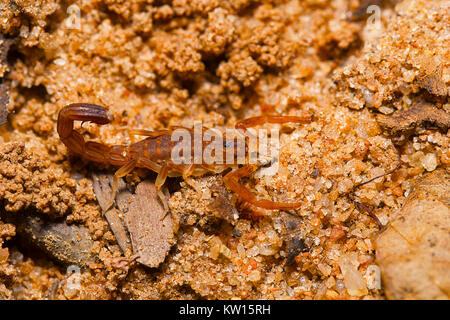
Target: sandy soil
160,63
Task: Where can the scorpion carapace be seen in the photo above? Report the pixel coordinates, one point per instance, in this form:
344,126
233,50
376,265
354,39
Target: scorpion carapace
155,152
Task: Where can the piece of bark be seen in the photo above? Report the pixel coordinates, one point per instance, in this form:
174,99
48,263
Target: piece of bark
5,44
4,97
414,251
67,244
149,225
3,103
103,192
118,229
145,220
420,115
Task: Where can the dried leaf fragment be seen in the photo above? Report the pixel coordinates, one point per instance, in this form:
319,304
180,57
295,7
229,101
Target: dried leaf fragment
103,192
118,229
417,116
149,226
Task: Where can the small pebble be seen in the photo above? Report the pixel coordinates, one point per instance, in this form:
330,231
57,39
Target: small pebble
429,161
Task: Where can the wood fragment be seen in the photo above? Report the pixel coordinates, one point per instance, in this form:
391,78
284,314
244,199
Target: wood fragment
5,44
3,103
4,97
103,188
417,116
103,192
149,225
118,229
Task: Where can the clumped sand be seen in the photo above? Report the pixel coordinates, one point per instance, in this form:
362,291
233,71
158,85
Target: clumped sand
155,64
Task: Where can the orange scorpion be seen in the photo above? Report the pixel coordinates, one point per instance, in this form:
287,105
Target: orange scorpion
154,152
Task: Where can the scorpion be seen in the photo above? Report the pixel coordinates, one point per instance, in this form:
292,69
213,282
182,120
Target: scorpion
154,152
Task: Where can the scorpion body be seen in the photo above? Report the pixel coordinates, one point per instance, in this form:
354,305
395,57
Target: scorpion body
154,152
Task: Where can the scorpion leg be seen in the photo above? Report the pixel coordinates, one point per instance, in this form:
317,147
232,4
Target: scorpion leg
155,134
231,180
160,179
256,121
187,170
149,164
162,176
122,172
148,133
162,171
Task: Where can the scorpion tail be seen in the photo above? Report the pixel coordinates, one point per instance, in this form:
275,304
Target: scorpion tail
82,112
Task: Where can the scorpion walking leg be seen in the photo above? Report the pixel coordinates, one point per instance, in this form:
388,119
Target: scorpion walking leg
231,180
160,179
122,172
256,121
187,171
162,176
148,133
162,171
155,134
